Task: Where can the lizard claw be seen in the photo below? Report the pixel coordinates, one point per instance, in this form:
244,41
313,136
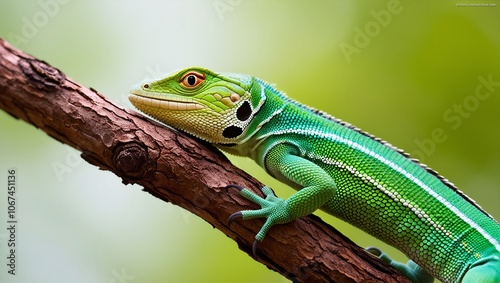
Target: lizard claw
274,209
233,217
236,216
254,249
238,187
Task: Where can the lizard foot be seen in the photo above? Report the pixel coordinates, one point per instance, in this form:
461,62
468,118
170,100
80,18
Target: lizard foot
411,270
274,209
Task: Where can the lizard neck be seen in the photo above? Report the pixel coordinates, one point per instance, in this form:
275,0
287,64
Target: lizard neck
273,102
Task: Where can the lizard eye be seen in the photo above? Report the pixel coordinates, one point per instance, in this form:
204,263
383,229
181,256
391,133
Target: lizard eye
192,79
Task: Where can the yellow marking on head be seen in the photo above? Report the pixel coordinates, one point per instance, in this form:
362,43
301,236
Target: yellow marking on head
165,104
235,97
227,101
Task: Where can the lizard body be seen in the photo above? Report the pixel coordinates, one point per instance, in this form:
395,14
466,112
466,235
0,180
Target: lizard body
334,166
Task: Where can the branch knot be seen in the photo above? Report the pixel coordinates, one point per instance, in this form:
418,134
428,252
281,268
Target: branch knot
130,160
44,74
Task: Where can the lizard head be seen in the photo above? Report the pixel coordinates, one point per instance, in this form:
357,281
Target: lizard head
211,106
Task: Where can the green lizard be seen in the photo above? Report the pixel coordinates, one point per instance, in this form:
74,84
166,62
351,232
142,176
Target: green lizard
336,167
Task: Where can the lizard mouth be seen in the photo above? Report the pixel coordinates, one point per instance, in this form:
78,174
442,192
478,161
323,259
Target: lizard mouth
163,103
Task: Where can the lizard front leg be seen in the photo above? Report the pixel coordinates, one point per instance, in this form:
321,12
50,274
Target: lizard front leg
317,188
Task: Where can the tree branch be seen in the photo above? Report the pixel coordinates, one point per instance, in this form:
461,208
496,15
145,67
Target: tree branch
176,168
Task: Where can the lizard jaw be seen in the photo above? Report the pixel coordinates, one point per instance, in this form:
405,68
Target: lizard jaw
164,103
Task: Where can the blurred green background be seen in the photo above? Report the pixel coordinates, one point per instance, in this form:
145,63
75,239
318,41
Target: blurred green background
405,71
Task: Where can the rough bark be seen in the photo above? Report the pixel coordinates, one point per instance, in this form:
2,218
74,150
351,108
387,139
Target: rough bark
175,168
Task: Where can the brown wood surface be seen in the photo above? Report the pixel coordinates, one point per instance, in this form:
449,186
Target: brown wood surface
175,168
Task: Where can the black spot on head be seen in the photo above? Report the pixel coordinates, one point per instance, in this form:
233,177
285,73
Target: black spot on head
232,132
244,111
